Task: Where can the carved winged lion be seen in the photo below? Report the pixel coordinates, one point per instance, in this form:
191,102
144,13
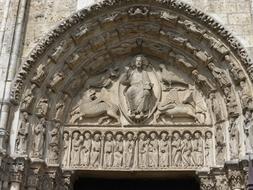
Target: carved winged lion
95,108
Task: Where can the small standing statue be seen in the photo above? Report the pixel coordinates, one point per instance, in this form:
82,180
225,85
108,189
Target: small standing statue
22,137
139,89
95,150
187,150
54,145
143,150
108,150
39,134
153,150
248,130
75,149
60,106
197,149
86,149
234,138
65,148
40,75
176,150
129,149
163,150
118,151
209,148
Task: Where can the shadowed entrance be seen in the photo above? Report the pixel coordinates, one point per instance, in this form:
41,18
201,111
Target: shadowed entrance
136,184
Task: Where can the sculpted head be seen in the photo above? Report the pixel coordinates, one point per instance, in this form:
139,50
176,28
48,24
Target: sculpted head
76,135
208,135
164,135
142,136
197,135
187,136
119,137
66,136
96,136
109,136
139,61
87,135
153,135
130,136
176,135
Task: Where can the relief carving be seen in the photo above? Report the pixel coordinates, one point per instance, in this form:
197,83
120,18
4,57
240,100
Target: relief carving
153,150
54,145
197,149
66,147
108,150
139,89
118,151
245,95
248,130
164,149
220,145
40,75
187,150
129,150
220,75
22,136
176,149
95,107
58,51
77,140
95,150
143,150
28,99
56,80
86,149
234,138
60,106
38,141
42,107
208,148
192,27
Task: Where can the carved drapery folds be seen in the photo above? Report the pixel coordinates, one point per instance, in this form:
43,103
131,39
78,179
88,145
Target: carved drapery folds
184,79
164,148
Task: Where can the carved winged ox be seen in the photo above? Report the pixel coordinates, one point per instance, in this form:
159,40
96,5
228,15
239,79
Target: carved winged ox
172,110
96,108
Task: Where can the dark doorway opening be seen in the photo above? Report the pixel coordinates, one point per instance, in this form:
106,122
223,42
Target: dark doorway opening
136,184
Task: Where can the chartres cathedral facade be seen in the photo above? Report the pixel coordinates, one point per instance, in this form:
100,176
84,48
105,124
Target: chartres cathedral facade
126,90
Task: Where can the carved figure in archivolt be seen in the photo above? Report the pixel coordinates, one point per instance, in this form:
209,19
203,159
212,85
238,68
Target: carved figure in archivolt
38,142
187,150
153,150
95,150
163,147
246,95
65,151
209,148
176,145
197,149
234,138
220,145
77,140
202,82
22,136
139,89
95,107
220,75
56,80
108,150
42,107
216,108
59,50
86,149
60,106
129,150
28,100
54,148
118,151
40,75
248,130
143,150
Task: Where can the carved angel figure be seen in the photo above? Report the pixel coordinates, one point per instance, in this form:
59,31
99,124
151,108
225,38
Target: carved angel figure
40,74
138,90
219,75
28,99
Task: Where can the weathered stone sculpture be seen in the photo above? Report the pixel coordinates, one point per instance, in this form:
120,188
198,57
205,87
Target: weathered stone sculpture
38,141
143,150
208,148
197,149
86,149
129,150
118,151
42,107
96,150
28,100
176,146
22,136
75,149
187,150
40,75
54,145
153,150
65,151
108,150
138,90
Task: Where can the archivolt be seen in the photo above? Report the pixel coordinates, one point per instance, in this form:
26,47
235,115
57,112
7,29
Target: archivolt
98,36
